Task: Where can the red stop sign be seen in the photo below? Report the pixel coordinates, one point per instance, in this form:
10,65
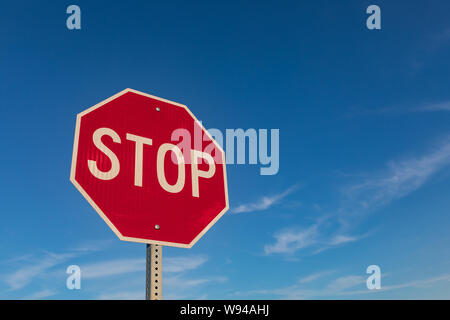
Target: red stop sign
149,169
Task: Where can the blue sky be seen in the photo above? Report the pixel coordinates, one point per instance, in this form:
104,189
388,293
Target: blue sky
364,145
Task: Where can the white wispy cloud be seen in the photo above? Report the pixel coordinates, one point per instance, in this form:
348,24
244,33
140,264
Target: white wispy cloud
419,283
39,295
442,106
263,203
351,285
341,239
32,266
123,266
92,246
38,269
178,283
22,276
175,287
111,268
346,282
333,241
373,192
401,178
315,276
289,241
181,282
123,295
181,264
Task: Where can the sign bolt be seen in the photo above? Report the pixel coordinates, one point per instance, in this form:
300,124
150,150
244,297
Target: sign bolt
158,109
157,226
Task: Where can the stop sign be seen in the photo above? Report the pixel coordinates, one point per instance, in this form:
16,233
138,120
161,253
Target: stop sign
149,169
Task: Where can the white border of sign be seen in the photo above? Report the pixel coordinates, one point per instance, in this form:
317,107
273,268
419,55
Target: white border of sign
99,211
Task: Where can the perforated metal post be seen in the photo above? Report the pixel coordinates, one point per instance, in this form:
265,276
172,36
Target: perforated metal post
153,281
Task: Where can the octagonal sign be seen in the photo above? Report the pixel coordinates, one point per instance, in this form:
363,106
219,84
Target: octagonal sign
150,169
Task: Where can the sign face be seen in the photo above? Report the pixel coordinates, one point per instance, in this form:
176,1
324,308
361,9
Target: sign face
149,169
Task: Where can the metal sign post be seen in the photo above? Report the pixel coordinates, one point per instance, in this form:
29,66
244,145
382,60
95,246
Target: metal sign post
153,281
